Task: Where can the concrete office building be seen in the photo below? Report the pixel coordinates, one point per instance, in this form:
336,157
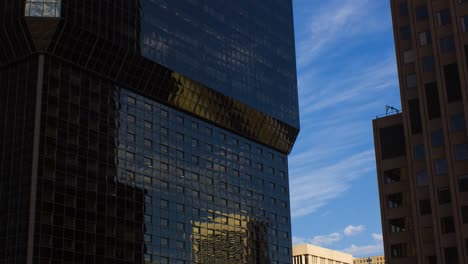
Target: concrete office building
146,131
422,153
370,260
310,254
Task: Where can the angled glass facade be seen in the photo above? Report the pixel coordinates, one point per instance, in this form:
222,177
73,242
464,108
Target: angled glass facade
110,155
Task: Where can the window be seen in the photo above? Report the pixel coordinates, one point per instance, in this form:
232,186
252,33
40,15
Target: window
397,225
148,107
440,166
43,8
408,56
425,38
392,142
148,143
395,175
395,200
131,118
444,195
463,183
398,250
452,82
421,12
432,99
405,32
451,255
415,116
425,207
457,122
403,8
464,23
447,225
131,100
418,151
443,17
421,178
148,124
437,138
464,212
427,63
148,162
447,45
428,234
461,151
411,80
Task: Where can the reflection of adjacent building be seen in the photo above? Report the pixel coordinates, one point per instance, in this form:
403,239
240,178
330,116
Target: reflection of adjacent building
373,260
230,238
310,254
125,152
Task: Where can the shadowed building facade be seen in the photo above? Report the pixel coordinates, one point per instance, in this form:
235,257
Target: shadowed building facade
422,153
146,131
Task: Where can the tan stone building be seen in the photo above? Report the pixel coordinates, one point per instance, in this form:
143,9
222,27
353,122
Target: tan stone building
422,153
374,260
310,254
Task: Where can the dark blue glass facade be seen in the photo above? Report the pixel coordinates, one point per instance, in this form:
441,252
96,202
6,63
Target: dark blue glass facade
110,156
243,49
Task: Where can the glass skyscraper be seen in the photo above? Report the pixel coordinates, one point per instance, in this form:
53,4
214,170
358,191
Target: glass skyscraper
146,131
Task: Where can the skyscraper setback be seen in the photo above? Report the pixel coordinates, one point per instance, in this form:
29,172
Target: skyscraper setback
146,131
422,152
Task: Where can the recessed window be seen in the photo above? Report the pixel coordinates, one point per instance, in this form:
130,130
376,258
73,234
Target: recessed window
452,83
131,100
447,225
43,8
418,151
464,23
440,166
395,200
421,12
437,138
447,45
411,80
131,118
403,8
463,183
421,178
397,225
443,17
398,250
457,122
408,56
444,195
394,175
461,151
405,32
425,207
427,63
464,211
425,38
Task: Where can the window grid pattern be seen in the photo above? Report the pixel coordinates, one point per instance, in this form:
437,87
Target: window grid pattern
115,190
43,8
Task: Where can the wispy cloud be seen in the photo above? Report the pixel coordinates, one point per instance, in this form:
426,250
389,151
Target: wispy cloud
314,188
320,240
353,230
334,22
367,250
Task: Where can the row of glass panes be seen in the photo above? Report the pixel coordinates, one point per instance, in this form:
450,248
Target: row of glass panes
43,8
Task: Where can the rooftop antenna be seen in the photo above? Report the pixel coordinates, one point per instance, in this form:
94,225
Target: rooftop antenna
391,108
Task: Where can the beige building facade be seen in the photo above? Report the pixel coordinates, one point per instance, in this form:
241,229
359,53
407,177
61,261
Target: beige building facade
374,260
310,254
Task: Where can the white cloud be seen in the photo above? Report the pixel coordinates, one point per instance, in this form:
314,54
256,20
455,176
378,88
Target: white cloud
353,230
367,250
320,240
377,237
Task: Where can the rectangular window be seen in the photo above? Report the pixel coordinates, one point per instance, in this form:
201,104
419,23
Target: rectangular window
444,195
395,200
398,225
411,81
464,212
421,178
418,151
425,207
452,82
427,63
437,138
398,250
403,8
43,8
392,142
443,17
425,38
432,100
463,183
461,151
395,175
440,166
415,116
451,255
447,226
421,12
457,122
408,56
464,23
447,45
405,32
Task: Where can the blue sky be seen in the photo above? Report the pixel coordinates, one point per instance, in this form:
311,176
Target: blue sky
346,74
